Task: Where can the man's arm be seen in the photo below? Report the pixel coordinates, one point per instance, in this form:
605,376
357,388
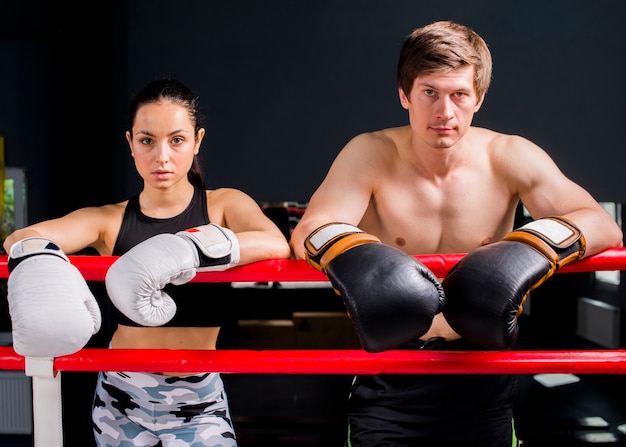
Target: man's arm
527,257
343,195
600,229
545,191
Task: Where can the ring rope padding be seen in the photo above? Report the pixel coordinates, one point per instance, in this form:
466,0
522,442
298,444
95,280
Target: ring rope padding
352,361
94,268
333,361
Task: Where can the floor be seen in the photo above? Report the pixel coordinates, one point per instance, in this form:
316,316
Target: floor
309,411
585,413
16,441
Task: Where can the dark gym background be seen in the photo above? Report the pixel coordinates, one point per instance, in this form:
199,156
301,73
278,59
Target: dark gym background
285,84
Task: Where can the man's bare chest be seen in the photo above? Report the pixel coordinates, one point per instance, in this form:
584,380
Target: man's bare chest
435,221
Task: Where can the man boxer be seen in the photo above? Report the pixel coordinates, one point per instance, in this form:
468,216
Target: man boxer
440,185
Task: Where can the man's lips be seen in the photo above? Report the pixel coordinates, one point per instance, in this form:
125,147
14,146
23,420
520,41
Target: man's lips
442,130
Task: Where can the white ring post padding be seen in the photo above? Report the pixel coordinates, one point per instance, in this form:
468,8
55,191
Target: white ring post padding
47,403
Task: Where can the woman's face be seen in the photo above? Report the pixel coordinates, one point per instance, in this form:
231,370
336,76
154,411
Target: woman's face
163,143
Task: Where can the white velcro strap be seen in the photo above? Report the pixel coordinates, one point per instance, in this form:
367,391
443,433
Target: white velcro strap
559,239
35,245
329,233
210,239
214,242
551,229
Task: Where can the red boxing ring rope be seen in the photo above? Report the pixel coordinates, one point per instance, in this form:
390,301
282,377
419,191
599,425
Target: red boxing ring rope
351,361
356,361
94,268
46,383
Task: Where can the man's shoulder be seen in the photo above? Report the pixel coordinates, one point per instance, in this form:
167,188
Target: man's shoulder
389,137
490,135
484,133
393,132
497,142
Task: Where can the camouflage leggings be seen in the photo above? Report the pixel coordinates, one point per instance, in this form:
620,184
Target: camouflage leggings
154,410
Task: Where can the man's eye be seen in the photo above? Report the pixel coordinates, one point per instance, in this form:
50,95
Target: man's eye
429,92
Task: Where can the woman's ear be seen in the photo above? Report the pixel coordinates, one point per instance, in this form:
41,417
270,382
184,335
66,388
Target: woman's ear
130,145
199,138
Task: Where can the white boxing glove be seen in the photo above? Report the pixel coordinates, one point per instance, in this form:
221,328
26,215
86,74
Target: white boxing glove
135,281
53,311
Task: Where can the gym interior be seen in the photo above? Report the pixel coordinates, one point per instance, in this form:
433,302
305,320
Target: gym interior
302,78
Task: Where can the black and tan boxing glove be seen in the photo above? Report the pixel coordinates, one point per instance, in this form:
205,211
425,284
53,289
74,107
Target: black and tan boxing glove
486,289
389,295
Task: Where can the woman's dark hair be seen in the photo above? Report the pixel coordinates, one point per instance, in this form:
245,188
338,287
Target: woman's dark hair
176,92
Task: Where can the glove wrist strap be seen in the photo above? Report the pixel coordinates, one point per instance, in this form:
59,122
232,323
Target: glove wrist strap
33,246
216,246
323,244
557,238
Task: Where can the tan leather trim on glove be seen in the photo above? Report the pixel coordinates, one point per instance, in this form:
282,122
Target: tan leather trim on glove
345,244
559,251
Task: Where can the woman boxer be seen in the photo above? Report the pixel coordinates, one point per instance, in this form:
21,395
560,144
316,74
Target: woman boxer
173,228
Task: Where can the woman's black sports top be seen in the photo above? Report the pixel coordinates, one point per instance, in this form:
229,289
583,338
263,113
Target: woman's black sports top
198,304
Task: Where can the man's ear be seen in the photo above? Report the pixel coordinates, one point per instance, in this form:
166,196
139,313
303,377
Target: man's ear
479,103
404,100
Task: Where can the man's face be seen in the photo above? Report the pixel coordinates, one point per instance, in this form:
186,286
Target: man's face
441,106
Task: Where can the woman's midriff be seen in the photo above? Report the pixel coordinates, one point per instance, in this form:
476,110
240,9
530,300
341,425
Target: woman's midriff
200,338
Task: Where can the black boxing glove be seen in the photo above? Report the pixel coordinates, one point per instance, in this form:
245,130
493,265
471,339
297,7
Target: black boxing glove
486,289
389,295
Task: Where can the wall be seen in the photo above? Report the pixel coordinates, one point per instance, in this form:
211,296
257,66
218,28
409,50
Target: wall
56,90
287,84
